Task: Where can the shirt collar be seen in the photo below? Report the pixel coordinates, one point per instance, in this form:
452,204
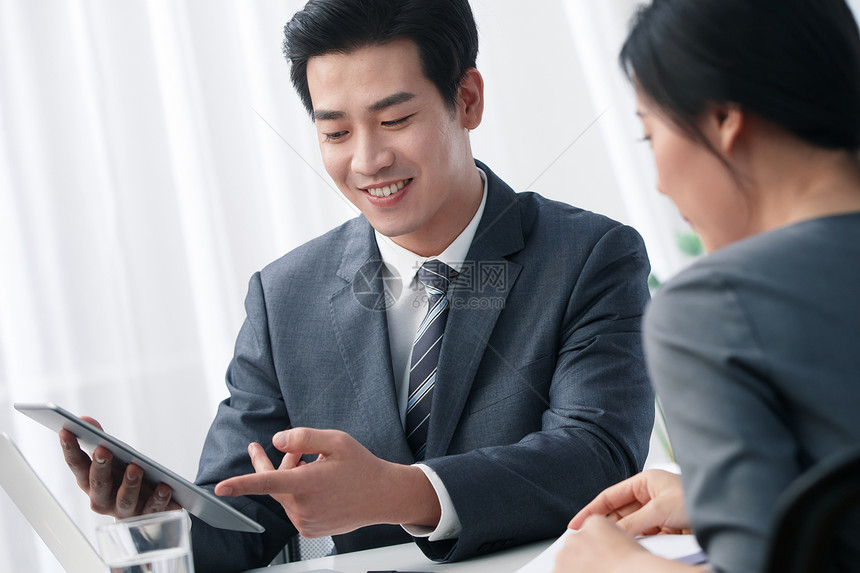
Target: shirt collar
406,263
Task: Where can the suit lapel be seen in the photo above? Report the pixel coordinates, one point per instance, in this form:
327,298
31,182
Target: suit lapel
361,326
476,302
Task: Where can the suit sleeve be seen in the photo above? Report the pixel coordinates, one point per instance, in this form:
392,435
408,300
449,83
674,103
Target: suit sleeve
254,412
595,427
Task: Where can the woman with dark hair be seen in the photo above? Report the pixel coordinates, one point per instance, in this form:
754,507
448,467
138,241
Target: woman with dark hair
752,109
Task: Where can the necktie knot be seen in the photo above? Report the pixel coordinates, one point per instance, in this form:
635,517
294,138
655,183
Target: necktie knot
436,276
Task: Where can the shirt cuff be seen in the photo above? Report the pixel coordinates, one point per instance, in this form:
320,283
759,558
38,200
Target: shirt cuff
449,523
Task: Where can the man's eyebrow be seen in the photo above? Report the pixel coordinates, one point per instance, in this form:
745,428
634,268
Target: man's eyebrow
324,114
389,101
384,103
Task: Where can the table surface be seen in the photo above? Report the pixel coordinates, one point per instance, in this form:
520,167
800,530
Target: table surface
407,557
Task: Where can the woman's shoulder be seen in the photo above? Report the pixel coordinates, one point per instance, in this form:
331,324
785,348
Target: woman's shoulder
808,261
814,247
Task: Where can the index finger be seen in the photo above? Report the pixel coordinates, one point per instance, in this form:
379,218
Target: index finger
616,498
264,483
77,460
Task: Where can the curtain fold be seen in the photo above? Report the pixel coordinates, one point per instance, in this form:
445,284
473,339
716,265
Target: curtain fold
598,30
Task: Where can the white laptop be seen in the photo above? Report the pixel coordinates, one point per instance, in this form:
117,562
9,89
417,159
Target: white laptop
68,543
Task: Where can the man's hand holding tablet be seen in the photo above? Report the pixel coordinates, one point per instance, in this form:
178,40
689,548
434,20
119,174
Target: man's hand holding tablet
122,482
111,490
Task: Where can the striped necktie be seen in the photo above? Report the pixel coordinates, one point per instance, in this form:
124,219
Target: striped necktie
436,277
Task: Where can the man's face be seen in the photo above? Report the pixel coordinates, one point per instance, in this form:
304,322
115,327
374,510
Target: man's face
392,146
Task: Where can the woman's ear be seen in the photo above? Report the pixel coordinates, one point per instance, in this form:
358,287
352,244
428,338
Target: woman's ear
726,123
471,98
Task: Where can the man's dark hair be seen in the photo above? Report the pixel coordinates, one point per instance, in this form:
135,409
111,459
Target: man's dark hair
795,63
443,30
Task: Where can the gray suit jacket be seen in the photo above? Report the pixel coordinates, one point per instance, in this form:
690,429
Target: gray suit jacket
753,351
541,396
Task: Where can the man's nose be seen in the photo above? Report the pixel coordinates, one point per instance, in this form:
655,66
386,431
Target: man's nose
372,154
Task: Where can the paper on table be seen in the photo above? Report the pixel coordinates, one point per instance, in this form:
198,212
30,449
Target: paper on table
678,547
683,548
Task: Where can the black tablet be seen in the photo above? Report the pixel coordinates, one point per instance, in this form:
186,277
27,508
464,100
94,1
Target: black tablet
193,498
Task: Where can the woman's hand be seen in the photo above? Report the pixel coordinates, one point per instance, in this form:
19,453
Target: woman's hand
601,546
648,503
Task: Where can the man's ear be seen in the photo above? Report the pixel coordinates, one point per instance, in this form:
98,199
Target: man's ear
471,99
726,122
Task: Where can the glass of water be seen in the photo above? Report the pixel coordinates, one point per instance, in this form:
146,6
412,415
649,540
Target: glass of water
156,543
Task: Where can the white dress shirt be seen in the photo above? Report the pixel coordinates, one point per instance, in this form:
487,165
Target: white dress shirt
404,317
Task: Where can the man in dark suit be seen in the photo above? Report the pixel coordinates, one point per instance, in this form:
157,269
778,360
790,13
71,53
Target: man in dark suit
535,397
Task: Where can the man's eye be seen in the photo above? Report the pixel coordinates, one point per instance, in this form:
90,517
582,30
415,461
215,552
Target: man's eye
335,136
396,122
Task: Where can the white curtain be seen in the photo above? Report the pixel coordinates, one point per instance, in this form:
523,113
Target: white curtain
139,189
153,155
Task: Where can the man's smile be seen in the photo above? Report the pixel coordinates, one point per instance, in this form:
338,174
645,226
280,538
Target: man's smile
387,190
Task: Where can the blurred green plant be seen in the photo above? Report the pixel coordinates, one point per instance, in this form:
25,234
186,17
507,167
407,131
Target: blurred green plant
689,243
662,432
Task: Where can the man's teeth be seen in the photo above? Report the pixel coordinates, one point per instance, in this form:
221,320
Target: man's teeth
387,190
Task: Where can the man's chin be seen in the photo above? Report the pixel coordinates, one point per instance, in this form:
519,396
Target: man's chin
391,231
